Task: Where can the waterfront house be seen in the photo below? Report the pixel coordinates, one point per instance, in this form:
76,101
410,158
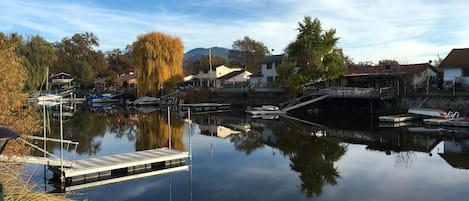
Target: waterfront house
127,80
208,78
268,73
456,68
408,77
61,81
235,78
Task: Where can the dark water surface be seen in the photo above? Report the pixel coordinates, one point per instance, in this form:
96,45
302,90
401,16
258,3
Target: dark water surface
280,159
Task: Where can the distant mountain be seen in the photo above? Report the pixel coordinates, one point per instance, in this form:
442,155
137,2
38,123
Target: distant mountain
197,53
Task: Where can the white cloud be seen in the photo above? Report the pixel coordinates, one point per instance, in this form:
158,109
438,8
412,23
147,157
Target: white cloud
368,30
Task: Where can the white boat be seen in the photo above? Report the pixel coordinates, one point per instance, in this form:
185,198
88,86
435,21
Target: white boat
270,108
427,112
49,97
398,118
265,110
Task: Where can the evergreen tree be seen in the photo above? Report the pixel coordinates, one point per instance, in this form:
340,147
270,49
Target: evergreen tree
312,57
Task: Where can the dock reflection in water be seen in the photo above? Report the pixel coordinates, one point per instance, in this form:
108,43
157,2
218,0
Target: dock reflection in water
241,158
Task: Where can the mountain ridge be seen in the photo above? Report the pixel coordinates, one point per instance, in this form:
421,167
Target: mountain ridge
197,53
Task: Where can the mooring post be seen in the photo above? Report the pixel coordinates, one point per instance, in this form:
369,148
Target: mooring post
169,128
62,177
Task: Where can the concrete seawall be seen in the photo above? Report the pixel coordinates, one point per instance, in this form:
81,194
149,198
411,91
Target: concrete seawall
460,104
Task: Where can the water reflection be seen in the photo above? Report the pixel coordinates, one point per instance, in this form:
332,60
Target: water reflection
456,153
155,131
313,157
88,127
316,157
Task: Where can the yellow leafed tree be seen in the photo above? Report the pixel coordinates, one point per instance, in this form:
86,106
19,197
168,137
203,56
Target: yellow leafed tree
14,113
157,58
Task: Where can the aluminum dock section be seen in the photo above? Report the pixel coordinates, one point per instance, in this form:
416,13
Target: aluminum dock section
127,162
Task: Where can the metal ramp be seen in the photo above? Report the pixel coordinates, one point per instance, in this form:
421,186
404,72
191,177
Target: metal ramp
36,160
299,103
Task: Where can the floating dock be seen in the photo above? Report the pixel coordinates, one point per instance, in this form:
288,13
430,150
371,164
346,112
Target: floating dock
200,108
91,172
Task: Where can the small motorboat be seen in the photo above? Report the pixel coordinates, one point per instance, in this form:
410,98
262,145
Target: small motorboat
265,110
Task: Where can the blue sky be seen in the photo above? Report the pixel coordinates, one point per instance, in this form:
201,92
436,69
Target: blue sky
408,31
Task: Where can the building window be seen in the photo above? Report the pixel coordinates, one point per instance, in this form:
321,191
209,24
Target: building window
465,72
269,66
270,79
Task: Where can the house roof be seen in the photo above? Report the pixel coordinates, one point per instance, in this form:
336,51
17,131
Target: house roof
409,69
62,74
273,58
125,77
457,58
258,74
231,75
207,68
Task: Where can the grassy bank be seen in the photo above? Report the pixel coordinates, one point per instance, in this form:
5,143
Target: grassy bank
18,187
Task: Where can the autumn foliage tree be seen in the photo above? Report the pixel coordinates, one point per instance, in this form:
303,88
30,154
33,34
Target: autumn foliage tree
13,112
157,58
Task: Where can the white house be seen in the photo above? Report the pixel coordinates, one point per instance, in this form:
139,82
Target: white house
268,71
235,78
456,67
209,77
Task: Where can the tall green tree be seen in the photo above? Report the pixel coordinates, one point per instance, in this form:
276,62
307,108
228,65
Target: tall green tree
73,52
157,58
248,52
315,54
38,54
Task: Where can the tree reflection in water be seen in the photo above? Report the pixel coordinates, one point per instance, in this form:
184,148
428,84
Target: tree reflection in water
313,157
247,142
148,130
84,127
154,131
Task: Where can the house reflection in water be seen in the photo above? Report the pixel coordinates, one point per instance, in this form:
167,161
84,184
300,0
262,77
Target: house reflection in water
456,153
217,131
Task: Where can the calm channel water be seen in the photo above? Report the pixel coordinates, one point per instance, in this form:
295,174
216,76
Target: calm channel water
235,157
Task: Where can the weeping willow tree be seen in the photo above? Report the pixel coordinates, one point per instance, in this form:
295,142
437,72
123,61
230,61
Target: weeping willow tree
157,58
